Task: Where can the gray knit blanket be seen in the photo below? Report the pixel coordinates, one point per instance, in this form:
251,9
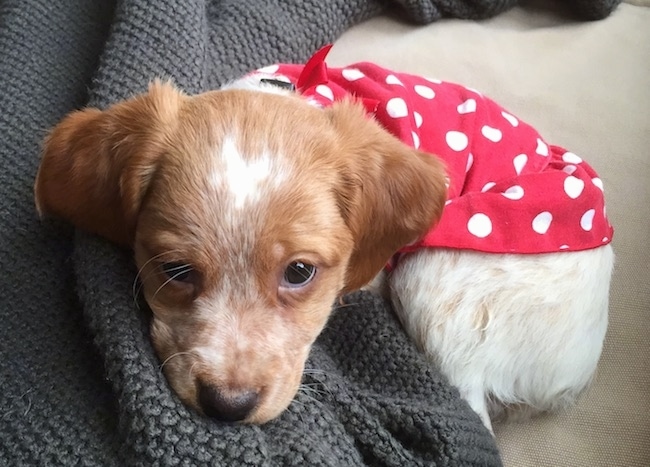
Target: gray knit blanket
80,382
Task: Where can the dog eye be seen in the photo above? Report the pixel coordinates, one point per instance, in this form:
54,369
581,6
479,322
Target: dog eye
298,274
180,272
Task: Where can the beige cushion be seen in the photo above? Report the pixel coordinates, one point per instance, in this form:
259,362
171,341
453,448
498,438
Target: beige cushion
585,86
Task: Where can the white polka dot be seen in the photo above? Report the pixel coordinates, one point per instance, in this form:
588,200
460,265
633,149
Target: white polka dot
352,74
605,239
447,181
487,186
467,107
587,220
473,90
425,91
418,119
269,69
542,148
470,161
456,140
448,202
571,158
433,80
493,134
479,225
392,79
564,247
416,140
520,162
396,107
569,169
542,222
598,182
325,91
514,192
573,186
511,118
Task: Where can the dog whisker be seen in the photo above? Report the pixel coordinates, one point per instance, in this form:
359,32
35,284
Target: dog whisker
299,406
307,396
181,270
191,370
343,305
311,390
137,283
174,355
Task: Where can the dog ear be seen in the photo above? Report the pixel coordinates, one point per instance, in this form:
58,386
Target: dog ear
96,165
389,193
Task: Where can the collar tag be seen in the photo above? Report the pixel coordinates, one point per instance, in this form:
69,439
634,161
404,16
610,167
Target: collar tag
279,83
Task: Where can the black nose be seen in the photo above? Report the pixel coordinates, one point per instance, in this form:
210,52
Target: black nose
226,405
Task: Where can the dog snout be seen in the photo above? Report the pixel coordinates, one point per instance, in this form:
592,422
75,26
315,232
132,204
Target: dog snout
226,405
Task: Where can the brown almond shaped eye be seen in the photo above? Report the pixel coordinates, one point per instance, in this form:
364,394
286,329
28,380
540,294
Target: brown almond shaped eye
179,272
298,274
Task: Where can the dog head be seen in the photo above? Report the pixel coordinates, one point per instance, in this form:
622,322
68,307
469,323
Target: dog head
249,213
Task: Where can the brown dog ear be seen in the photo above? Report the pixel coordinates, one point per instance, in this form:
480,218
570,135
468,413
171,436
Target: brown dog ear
390,194
96,165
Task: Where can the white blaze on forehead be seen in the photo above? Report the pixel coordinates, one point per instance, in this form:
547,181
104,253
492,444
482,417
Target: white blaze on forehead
244,177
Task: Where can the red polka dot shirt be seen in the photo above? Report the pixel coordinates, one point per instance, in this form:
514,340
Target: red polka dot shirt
509,191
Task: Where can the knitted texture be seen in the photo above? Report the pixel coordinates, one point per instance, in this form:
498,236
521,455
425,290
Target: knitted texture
80,382
592,9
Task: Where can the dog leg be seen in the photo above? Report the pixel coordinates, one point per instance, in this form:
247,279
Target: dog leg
475,397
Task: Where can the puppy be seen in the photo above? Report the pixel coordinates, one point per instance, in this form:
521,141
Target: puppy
252,208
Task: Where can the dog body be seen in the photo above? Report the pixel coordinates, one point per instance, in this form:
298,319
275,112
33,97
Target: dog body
250,209
507,330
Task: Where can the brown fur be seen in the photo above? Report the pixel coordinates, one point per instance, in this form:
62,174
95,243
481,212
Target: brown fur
139,175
